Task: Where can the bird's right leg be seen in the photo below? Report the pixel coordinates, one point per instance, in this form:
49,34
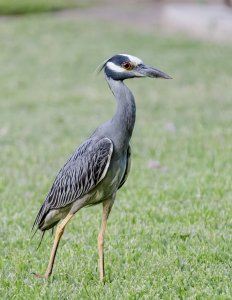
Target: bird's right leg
107,205
58,235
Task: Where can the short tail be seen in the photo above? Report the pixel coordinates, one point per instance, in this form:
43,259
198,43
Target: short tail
38,223
39,220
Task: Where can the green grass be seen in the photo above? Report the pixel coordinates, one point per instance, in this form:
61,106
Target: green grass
169,233
8,7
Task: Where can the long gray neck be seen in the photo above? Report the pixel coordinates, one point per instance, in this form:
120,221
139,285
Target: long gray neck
123,120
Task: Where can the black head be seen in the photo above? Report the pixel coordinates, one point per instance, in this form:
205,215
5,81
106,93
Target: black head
124,66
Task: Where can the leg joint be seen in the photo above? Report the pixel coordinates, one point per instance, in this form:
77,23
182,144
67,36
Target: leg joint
59,230
100,239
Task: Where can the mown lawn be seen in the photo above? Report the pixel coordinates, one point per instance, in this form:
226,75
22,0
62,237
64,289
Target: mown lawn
169,235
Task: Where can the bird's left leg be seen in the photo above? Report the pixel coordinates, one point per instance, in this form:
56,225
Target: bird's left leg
58,235
107,205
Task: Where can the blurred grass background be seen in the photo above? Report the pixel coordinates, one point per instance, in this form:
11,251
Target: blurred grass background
8,7
169,233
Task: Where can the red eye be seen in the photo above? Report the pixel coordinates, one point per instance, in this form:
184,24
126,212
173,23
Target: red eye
127,65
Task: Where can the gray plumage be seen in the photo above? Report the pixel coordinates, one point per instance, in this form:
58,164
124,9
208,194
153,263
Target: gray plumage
108,147
80,174
100,166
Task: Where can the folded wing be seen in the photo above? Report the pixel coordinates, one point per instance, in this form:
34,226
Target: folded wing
86,167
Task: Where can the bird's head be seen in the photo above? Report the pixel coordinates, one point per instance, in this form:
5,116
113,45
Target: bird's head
124,66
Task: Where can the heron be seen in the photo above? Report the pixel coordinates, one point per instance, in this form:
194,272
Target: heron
99,167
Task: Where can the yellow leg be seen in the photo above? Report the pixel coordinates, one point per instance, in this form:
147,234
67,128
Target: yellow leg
107,205
58,235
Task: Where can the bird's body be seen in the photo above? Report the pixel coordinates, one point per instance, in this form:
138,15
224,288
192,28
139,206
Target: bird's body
100,166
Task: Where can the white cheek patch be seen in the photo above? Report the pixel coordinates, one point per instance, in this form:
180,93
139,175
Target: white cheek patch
135,60
115,68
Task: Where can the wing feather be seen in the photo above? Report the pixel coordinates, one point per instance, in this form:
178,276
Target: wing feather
86,167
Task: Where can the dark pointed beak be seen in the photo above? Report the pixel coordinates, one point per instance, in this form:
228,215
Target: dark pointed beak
146,71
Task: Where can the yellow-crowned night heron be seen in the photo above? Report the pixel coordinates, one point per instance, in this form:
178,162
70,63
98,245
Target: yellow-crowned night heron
100,166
